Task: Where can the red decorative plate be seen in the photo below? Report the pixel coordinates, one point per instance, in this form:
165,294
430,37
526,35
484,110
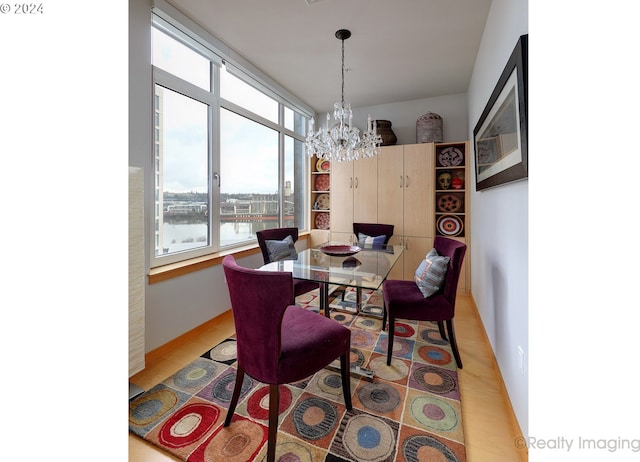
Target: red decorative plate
322,183
323,221
449,225
340,250
323,165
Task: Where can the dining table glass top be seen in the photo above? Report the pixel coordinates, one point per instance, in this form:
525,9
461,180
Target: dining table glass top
366,268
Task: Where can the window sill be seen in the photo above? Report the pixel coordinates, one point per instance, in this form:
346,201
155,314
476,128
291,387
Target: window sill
174,270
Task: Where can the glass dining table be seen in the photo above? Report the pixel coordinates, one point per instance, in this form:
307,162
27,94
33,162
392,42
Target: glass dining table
364,267
335,263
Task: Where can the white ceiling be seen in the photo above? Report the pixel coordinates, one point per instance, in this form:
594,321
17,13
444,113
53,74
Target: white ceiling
400,50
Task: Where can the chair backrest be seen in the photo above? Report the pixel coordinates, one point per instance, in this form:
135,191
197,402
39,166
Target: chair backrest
276,234
373,230
258,302
455,250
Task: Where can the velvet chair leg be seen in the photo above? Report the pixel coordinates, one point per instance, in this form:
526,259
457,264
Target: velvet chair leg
274,408
454,345
345,373
384,316
441,329
392,328
234,398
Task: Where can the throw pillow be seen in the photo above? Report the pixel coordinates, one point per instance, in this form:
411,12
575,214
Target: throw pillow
364,240
431,273
282,250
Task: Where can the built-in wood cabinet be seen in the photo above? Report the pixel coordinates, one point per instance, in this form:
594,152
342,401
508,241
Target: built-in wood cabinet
405,200
354,196
403,186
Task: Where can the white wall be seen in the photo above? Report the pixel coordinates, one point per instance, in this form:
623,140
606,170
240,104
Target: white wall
404,115
499,231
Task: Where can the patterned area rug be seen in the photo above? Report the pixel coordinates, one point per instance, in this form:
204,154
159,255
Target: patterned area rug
410,411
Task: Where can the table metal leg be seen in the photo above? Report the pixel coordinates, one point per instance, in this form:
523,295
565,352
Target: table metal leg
324,298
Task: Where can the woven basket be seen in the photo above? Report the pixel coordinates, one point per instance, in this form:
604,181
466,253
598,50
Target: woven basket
429,128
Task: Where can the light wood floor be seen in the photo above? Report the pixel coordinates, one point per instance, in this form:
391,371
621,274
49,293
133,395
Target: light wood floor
490,428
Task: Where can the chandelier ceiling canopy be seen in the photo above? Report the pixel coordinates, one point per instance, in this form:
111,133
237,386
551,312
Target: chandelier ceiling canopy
342,142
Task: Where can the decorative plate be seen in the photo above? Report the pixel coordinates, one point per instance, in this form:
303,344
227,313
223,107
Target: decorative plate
450,157
448,203
323,220
449,225
323,165
322,183
324,201
340,250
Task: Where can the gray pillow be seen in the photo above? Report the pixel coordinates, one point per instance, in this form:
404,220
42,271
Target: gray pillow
282,250
431,273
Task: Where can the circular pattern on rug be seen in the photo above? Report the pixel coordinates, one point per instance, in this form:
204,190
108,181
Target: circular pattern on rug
375,310
239,443
223,389
379,397
398,369
423,447
433,336
188,425
356,357
152,406
342,318
434,379
366,323
195,375
362,338
314,418
258,402
225,351
330,383
401,347
403,330
352,296
434,413
434,355
367,437
292,452
305,298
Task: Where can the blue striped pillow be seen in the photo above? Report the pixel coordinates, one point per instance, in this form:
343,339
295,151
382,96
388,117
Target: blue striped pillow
431,273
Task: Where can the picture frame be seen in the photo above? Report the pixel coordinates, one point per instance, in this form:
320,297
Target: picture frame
500,136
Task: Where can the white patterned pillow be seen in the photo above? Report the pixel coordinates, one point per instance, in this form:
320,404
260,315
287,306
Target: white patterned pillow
370,241
431,273
282,250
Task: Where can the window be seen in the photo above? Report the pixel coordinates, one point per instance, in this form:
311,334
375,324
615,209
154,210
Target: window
228,152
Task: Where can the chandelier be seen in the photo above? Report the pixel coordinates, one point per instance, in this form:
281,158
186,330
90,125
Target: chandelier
343,142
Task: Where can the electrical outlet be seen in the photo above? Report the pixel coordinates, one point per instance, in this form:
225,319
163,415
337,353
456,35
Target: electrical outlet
521,359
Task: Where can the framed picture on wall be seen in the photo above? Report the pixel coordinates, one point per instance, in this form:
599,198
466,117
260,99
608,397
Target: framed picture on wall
500,136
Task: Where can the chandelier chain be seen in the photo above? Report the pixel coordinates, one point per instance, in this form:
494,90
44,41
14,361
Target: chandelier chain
342,142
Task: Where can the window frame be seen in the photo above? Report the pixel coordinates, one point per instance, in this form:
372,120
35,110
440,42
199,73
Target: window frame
215,102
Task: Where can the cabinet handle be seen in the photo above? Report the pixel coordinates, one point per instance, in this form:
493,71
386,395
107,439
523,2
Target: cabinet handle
407,181
356,182
350,182
401,181
406,244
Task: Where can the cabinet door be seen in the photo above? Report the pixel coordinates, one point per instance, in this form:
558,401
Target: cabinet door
342,197
391,188
414,251
419,195
365,190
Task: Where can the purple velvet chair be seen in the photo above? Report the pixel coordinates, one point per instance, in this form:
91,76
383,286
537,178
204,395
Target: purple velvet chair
279,343
277,234
403,299
373,230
